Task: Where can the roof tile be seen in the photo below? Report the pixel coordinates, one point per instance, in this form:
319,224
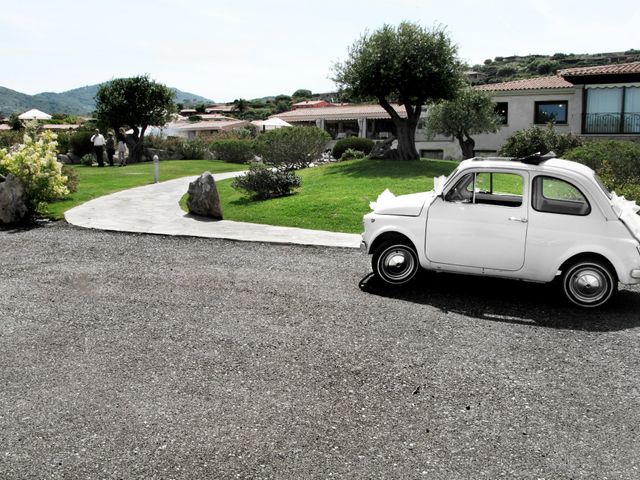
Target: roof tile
538,83
633,67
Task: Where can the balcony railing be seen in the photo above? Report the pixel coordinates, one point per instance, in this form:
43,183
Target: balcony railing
611,122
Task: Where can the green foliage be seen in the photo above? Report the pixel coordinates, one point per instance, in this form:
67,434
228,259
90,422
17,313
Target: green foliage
471,112
194,118
79,142
87,159
536,139
302,94
617,162
14,122
291,148
395,63
64,141
196,148
200,108
262,182
351,154
233,151
72,178
355,143
137,102
35,164
9,138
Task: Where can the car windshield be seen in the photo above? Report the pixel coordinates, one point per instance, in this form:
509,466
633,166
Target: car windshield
603,186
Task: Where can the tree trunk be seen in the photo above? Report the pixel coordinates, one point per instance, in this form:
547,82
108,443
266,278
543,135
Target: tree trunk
406,139
467,145
406,129
136,146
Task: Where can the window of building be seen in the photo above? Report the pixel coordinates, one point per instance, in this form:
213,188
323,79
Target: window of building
555,112
435,154
552,195
612,110
502,111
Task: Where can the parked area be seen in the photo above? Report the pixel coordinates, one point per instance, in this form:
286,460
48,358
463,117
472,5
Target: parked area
139,356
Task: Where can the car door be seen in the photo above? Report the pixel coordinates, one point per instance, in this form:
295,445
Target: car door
481,221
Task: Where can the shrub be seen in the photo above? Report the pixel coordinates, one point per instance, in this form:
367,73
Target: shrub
355,143
536,139
87,159
291,148
262,182
80,142
616,162
34,163
193,149
64,142
9,138
351,154
234,151
72,178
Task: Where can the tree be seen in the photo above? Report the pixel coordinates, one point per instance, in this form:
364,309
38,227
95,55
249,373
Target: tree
409,65
470,113
240,105
136,102
302,93
14,122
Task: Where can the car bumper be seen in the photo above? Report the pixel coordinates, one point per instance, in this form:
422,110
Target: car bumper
635,273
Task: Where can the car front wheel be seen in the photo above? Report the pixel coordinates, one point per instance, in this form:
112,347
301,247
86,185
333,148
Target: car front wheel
589,283
395,263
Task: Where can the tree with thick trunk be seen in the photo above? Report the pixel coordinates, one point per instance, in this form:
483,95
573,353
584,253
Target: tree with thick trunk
137,103
470,113
408,65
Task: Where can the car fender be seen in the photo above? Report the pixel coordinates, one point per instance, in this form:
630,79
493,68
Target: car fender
405,226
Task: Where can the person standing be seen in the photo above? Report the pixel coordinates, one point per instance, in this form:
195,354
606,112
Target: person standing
98,147
111,148
122,146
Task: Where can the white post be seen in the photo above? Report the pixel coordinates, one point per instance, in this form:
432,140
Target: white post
156,160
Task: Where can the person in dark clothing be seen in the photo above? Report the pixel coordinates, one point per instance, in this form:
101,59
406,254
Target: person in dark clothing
111,148
122,146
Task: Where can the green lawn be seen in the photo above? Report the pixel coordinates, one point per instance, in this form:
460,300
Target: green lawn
335,196
95,182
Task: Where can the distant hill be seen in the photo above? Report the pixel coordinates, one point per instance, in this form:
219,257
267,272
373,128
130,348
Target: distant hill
78,101
503,69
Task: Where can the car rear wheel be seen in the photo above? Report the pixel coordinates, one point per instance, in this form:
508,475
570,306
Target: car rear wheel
589,283
396,263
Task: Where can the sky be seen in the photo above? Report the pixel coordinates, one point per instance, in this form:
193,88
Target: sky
228,49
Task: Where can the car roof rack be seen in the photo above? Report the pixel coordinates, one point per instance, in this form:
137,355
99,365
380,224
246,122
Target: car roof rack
536,158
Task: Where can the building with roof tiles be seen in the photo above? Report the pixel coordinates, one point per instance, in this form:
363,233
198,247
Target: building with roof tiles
591,102
341,121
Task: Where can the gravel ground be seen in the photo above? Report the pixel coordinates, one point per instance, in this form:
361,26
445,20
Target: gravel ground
135,356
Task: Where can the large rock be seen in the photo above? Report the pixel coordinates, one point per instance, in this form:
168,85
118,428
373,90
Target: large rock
162,154
13,200
64,159
203,197
385,150
75,159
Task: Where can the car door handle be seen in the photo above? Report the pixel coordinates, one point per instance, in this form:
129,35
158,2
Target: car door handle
518,219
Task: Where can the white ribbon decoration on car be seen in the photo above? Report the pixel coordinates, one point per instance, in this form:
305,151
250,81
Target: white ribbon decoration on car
383,198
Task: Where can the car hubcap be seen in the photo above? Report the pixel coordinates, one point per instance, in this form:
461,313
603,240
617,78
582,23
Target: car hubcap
588,285
398,264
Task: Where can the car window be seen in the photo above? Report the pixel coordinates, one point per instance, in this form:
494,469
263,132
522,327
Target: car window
488,188
553,195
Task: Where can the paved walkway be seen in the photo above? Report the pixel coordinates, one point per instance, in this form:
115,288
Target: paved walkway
155,209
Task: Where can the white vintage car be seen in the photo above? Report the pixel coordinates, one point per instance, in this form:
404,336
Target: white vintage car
533,219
